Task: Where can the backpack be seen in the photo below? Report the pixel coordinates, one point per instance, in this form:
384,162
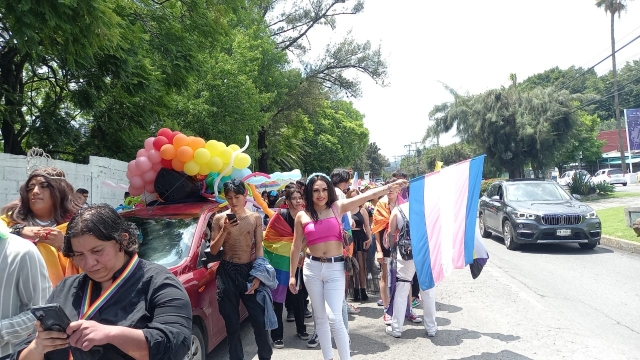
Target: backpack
404,239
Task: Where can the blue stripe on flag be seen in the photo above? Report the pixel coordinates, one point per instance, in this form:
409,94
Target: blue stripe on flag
476,166
419,237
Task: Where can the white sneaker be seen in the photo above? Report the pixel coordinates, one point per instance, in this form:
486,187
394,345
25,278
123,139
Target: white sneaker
387,319
389,331
432,333
414,318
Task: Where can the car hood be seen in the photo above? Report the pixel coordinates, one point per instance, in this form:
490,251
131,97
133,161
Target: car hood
552,207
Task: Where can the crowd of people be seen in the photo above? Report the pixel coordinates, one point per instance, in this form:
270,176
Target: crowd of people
317,248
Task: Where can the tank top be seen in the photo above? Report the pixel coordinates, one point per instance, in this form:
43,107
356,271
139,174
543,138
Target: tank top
324,230
358,219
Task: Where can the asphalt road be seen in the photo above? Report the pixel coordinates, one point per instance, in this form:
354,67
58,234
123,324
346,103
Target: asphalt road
541,302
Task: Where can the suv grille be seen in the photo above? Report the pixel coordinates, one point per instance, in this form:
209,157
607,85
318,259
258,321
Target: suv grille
572,219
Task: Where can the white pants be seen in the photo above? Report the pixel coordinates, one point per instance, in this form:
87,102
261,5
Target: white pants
325,284
405,271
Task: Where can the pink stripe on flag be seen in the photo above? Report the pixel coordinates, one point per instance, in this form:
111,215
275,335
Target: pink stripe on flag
460,182
432,221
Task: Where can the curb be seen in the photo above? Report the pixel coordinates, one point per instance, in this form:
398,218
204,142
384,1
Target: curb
626,245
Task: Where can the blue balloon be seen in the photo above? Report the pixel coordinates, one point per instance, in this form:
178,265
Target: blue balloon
223,180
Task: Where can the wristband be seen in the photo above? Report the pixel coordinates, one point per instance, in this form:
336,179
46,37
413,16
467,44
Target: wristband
17,229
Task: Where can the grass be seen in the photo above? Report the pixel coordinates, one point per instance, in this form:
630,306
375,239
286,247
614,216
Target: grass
614,195
614,224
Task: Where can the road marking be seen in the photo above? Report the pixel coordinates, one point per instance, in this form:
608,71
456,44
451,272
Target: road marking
495,274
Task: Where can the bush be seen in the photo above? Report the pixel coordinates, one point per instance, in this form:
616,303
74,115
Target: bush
605,188
485,185
580,185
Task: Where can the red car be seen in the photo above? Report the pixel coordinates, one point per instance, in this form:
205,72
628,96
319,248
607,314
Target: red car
176,236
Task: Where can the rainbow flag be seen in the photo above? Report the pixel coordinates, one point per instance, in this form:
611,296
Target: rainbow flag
442,218
277,249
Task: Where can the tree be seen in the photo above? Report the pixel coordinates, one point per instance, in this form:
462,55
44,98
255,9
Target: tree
376,160
614,7
583,141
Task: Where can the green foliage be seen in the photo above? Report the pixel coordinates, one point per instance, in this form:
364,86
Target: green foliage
580,185
604,188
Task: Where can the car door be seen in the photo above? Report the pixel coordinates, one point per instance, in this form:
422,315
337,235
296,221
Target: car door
491,207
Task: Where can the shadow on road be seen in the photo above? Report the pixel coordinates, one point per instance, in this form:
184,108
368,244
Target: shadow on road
448,308
364,345
554,249
504,354
446,337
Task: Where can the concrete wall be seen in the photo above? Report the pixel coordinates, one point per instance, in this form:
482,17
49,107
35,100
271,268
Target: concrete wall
13,173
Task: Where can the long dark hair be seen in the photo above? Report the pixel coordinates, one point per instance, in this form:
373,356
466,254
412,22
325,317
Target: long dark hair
103,222
19,212
308,194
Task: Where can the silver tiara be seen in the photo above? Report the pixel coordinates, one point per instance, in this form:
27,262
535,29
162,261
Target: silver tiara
38,161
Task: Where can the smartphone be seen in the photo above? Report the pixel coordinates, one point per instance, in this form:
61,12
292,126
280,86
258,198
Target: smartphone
231,217
51,317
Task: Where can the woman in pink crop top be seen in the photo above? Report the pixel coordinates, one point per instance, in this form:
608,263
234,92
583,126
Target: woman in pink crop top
324,266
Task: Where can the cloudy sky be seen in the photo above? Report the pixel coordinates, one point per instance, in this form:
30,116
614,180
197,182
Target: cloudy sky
472,46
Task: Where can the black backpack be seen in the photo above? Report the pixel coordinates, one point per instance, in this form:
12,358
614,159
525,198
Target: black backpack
404,239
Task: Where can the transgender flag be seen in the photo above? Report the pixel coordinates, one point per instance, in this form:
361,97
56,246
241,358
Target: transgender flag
442,218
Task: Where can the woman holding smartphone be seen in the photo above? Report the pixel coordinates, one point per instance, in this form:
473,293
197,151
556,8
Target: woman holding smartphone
240,233
324,263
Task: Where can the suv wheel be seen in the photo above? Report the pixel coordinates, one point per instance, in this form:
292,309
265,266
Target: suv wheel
197,349
589,245
508,236
483,230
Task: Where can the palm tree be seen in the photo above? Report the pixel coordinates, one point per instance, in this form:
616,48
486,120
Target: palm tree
614,7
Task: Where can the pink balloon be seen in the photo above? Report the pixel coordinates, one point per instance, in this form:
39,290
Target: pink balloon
142,153
154,156
136,182
157,166
149,176
148,144
149,188
134,191
143,164
133,168
128,174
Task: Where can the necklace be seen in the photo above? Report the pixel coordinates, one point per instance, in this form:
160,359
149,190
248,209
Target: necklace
49,223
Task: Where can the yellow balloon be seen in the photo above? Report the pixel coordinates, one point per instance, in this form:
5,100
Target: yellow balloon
191,167
210,145
228,172
204,169
234,147
214,164
201,156
242,161
225,155
214,147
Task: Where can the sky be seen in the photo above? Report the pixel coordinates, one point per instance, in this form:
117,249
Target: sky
471,46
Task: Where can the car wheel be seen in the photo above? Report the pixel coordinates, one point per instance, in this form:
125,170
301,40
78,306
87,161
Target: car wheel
588,246
508,236
625,184
483,230
197,349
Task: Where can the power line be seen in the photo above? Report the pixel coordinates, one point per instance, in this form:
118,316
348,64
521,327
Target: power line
612,93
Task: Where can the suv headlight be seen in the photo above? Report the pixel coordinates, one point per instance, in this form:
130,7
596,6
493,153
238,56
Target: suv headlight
523,215
591,215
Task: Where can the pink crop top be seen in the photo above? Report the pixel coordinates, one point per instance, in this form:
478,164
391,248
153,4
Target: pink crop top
322,231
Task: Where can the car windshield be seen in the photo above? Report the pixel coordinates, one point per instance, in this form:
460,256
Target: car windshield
165,241
542,191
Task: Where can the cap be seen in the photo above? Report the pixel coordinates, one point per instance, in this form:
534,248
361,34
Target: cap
273,193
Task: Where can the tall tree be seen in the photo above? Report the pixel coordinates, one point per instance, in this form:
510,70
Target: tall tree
614,7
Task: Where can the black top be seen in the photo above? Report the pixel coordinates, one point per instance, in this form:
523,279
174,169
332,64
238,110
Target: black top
358,219
286,215
151,299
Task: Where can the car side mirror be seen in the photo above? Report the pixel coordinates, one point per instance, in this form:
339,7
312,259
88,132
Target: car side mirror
496,198
210,258
576,196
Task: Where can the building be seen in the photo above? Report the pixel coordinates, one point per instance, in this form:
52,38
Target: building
611,155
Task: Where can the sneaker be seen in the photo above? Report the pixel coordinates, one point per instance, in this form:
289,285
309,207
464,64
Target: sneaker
290,316
278,344
390,332
415,302
352,309
313,341
432,333
380,302
414,318
307,313
304,336
387,319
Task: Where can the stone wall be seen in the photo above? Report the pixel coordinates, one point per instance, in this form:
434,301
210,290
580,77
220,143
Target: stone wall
13,173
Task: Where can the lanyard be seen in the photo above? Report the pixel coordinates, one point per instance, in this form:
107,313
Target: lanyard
87,309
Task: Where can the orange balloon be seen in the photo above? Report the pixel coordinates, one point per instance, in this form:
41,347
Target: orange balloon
196,143
168,152
184,154
180,140
177,165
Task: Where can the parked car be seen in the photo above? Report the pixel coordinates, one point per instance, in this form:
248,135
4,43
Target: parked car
527,211
565,179
612,176
176,236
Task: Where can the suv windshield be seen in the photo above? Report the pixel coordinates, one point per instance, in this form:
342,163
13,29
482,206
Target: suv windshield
543,191
165,241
